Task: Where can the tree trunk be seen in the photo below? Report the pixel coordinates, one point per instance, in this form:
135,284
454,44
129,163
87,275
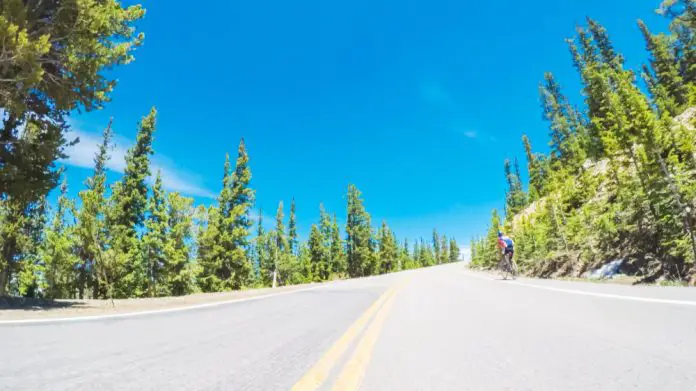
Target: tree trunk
4,273
7,255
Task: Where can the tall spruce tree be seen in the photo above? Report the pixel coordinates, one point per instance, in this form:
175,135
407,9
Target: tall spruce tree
405,259
388,255
682,17
242,202
336,249
57,254
292,228
436,246
224,274
155,240
566,130
535,167
279,248
29,274
90,232
126,215
281,238
453,250
208,249
264,259
444,250
665,82
516,199
180,270
319,254
416,254
359,243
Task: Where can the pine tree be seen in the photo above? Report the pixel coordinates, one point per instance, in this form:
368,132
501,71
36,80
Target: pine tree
226,264
324,222
57,58
454,250
606,51
29,237
359,243
444,252
436,246
281,239
264,259
279,242
516,199
473,246
155,240
534,167
296,269
126,215
242,201
336,250
292,228
587,62
90,230
388,255
405,260
57,250
426,256
682,16
180,270
490,254
209,247
668,84
225,222
319,254
567,131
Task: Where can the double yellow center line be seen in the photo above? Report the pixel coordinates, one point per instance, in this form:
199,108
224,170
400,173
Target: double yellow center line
354,370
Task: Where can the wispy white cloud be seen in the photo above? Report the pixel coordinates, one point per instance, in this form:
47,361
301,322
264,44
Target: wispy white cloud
470,134
173,178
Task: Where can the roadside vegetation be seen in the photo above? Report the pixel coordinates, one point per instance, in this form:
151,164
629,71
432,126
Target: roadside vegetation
131,238
620,179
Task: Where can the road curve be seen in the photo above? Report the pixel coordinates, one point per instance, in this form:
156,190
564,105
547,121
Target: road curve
442,328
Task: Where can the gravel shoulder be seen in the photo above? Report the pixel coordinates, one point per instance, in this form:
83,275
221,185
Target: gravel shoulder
25,309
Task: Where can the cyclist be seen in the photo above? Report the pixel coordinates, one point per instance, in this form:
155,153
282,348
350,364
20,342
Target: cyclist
506,245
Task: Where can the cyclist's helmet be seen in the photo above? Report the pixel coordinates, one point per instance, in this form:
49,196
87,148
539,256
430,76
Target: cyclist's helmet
500,234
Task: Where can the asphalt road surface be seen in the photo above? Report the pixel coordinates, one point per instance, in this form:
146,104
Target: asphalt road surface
441,328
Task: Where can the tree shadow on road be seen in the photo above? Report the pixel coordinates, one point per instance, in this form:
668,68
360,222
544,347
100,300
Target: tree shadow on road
34,304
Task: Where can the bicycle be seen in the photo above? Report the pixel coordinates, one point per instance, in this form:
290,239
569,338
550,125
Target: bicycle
507,266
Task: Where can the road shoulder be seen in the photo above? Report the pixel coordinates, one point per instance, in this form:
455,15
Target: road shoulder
11,311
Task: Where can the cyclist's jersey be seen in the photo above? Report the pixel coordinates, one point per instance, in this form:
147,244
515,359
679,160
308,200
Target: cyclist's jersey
506,243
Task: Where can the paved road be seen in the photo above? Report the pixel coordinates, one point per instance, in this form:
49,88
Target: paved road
441,328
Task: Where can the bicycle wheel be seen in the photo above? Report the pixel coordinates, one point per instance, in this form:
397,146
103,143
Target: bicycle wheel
502,267
513,269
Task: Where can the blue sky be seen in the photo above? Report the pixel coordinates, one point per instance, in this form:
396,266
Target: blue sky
416,102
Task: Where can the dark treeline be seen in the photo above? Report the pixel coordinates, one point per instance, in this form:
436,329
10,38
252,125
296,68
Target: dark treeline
619,182
132,238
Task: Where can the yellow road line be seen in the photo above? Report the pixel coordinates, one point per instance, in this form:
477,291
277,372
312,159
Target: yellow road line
320,371
354,371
